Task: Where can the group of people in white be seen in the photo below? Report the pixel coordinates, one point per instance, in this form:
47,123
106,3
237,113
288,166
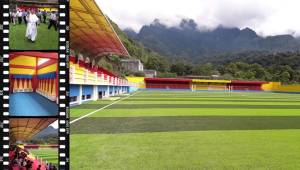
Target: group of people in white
32,18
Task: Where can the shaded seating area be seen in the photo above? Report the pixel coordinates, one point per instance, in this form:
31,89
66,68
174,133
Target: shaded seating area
200,84
21,159
91,82
22,130
168,83
91,31
246,85
33,77
92,38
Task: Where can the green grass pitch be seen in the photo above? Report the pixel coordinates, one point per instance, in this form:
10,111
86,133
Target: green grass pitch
189,130
46,39
47,154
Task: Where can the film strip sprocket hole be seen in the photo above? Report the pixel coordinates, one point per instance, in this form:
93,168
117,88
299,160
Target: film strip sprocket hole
4,84
63,51
63,98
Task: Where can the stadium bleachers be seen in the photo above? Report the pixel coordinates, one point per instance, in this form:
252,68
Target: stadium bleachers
89,82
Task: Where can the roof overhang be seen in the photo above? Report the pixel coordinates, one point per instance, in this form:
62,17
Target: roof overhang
24,129
91,33
210,81
174,80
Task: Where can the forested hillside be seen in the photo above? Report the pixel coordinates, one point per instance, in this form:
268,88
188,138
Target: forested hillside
187,41
248,65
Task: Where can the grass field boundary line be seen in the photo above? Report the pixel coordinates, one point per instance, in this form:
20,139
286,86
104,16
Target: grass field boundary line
86,115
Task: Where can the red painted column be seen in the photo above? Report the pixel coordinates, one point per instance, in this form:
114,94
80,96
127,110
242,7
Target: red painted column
57,79
35,80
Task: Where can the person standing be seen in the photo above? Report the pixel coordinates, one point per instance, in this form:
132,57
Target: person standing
10,17
39,15
19,14
31,31
44,16
14,17
24,14
53,20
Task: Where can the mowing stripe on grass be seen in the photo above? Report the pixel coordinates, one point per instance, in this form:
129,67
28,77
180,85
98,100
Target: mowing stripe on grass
73,121
115,125
211,100
188,106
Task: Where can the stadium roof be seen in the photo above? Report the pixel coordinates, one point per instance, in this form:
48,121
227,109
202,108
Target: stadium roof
23,129
240,82
91,32
210,81
175,80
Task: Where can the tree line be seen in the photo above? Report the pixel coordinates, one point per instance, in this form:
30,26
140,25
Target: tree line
249,65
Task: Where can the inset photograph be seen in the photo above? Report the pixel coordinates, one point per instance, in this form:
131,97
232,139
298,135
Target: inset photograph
33,144
33,25
33,84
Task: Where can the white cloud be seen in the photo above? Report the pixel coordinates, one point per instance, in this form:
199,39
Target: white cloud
267,17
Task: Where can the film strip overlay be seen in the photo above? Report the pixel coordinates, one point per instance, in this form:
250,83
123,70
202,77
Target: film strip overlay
64,85
4,84
63,97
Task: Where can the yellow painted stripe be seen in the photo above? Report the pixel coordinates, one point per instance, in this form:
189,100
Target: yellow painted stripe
210,81
23,71
48,69
24,61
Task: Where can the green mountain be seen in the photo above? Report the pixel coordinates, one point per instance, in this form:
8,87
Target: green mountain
148,57
246,65
187,41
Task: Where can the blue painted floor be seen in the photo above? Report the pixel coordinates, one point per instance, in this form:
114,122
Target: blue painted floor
31,104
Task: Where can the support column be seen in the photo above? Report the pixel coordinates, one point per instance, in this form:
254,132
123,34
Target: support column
80,94
113,90
95,93
107,94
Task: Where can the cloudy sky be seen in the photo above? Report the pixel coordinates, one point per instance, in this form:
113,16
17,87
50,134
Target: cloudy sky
266,17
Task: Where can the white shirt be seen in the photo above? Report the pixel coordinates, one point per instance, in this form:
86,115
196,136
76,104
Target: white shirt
20,14
53,16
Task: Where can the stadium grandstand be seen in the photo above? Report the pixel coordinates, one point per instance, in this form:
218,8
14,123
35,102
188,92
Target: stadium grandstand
190,115
34,82
42,5
22,131
210,85
93,37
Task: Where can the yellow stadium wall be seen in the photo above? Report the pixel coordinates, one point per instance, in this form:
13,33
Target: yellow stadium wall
271,86
210,86
288,88
22,71
48,69
202,84
138,80
199,86
23,61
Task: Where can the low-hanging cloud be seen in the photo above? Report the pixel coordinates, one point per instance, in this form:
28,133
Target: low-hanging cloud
267,17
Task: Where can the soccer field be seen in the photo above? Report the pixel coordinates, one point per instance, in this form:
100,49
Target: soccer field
46,39
189,130
47,154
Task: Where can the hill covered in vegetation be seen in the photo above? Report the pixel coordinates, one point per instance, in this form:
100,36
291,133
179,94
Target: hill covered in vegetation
247,65
188,41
